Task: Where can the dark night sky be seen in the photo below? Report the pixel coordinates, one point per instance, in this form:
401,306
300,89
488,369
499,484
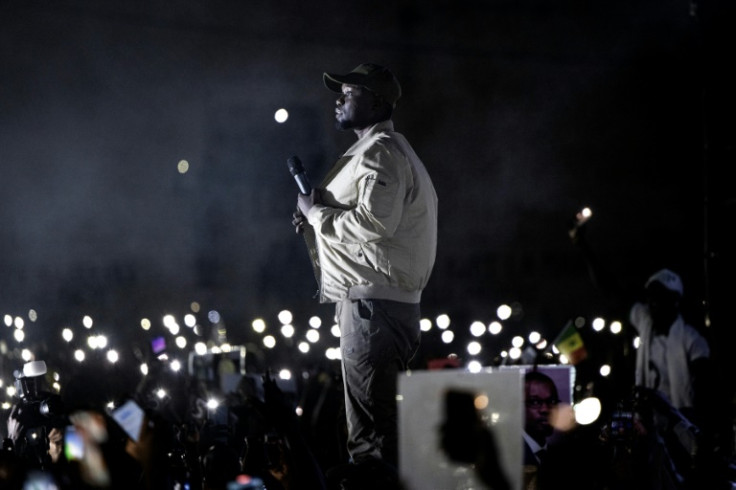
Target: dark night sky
522,111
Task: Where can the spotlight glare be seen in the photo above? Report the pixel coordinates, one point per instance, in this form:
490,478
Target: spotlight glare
599,324
477,329
448,336
616,327
494,328
425,324
587,411
67,334
79,355
503,312
285,317
281,115
335,331
442,321
315,322
259,326
269,341
474,366
313,336
474,348
287,331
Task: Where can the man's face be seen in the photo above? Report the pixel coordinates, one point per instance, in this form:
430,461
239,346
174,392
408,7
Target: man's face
356,108
540,399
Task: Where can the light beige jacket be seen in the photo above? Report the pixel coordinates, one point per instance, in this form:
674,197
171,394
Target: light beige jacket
375,235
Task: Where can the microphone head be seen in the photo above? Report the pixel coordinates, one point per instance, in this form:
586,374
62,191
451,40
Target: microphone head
295,165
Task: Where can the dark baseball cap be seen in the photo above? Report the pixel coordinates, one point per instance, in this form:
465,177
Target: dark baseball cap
375,78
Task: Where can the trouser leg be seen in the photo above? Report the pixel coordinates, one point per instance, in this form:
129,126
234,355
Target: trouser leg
378,339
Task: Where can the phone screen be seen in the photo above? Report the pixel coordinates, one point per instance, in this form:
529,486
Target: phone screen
129,417
73,444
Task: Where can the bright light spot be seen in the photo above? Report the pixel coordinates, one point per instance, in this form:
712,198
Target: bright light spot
287,331
587,411
285,317
425,324
101,341
504,354
19,335
92,341
315,322
182,166
169,321
555,350
564,359
79,355
605,370
161,393
214,316
494,328
448,336
56,386
303,347
112,356
145,324
313,336
542,345
32,315
599,324
181,342
259,326
26,355
175,365
284,374
226,347
6,405
215,350
335,331
67,334
110,405
637,342
535,337
586,213
11,391
474,366
514,353
503,312
442,321
281,116
190,320
477,329
144,369
517,341
8,320
194,306
212,404
269,341
19,322
200,348
299,411
481,402
616,327
87,321
332,353
474,348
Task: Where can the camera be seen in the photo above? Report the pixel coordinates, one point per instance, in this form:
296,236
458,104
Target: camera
37,413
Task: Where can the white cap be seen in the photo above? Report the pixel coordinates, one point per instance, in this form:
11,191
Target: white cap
668,279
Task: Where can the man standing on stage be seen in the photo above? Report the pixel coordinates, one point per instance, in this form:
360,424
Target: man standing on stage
374,225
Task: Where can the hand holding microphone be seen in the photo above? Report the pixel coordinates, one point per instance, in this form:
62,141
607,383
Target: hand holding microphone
307,198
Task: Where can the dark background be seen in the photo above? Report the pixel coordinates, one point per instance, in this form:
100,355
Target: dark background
523,111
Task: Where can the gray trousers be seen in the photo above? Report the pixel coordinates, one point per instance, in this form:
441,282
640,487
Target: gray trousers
378,339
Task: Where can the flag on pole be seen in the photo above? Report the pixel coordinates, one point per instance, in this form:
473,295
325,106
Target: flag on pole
570,344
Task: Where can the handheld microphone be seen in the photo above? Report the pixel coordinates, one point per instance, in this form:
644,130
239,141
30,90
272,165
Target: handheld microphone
297,171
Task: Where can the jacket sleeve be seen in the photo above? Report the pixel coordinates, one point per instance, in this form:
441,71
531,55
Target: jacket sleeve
380,191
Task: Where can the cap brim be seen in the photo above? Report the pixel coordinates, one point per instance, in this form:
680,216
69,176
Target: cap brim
333,82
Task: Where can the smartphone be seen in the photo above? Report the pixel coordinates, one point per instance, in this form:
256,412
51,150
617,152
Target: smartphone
129,417
73,444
